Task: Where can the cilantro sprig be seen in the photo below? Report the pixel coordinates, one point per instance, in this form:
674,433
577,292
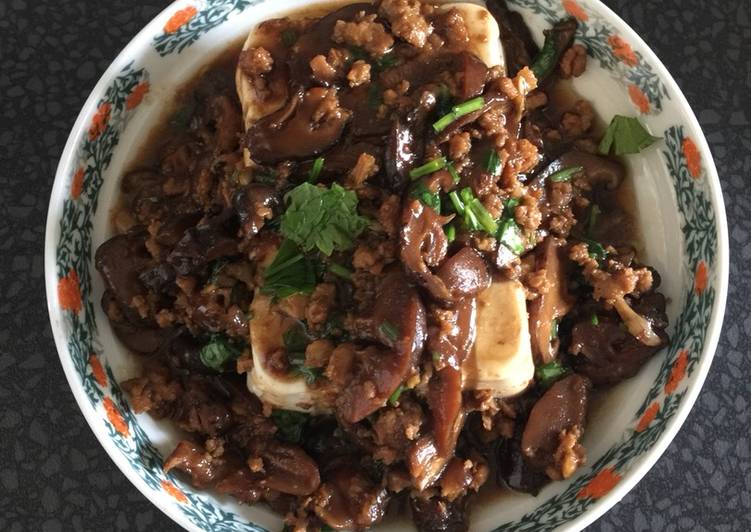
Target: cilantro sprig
625,135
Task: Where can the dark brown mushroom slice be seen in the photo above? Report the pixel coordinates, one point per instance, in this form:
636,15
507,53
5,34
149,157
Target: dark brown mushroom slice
204,471
405,147
428,456
519,47
451,340
562,408
250,202
120,261
137,335
289,469
211,239
436,514
348,500
553,303
514,471
317,41
472,75
607,353
398,322
464,274
424,245
293,133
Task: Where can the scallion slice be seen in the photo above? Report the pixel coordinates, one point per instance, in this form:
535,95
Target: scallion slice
341,271
428,168
565,174
315,171
458,111
493,165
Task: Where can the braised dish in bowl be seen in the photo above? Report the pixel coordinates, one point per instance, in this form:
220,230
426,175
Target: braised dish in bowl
380,262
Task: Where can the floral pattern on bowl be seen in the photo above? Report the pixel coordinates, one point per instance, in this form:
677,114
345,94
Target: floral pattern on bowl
664,406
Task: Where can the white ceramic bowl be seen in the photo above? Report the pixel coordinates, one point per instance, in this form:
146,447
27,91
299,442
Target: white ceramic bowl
680,208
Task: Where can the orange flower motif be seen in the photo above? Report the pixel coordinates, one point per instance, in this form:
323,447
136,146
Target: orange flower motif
638,98
136,95
622,50
97,370
600,485
678,372
174,491
69,292
701,277
693,158
115,417
179,19
575,10
76,184
100,120
648,417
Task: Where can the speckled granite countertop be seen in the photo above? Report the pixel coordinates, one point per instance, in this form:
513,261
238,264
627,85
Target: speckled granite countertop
54,476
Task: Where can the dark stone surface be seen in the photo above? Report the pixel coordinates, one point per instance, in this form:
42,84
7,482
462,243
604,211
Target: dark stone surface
53,474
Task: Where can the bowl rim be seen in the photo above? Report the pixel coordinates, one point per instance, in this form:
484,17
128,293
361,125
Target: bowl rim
138,46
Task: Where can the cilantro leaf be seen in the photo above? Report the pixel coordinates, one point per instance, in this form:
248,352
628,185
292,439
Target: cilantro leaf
625,135
426,196
289,273
218,351
323,218
290,424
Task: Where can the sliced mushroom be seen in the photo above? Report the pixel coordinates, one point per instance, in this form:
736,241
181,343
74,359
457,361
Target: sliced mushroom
439,515
562,409
464,274
120,260
552,304
296,131
398,322
347,500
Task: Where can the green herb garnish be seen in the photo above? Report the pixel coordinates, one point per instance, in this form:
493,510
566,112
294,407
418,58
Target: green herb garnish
389,330
394,397
375,98
550,372
290,424
315,170
456,202
454,174
493,164
322,218
476,216
510,203
427,196
289,273
554,330
296,339
510,236
565,174
218,351
386,61
309,374
596,250
594,212
458,111
625,135
594,320
428,168
340,271
450,231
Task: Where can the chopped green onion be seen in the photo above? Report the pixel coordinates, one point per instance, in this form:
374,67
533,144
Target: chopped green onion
394,397
339,270
289,37
476,216
594,212
315,171
565,175
594,320
554,329
510,203
428,168
218,351
389,330
428,197
450,231
456,202
596,250
546,59
454,174
309,374
387,61
510,236
436,357
493,164
458,111
548,373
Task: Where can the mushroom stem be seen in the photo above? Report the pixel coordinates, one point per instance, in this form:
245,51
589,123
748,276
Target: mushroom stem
639,327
